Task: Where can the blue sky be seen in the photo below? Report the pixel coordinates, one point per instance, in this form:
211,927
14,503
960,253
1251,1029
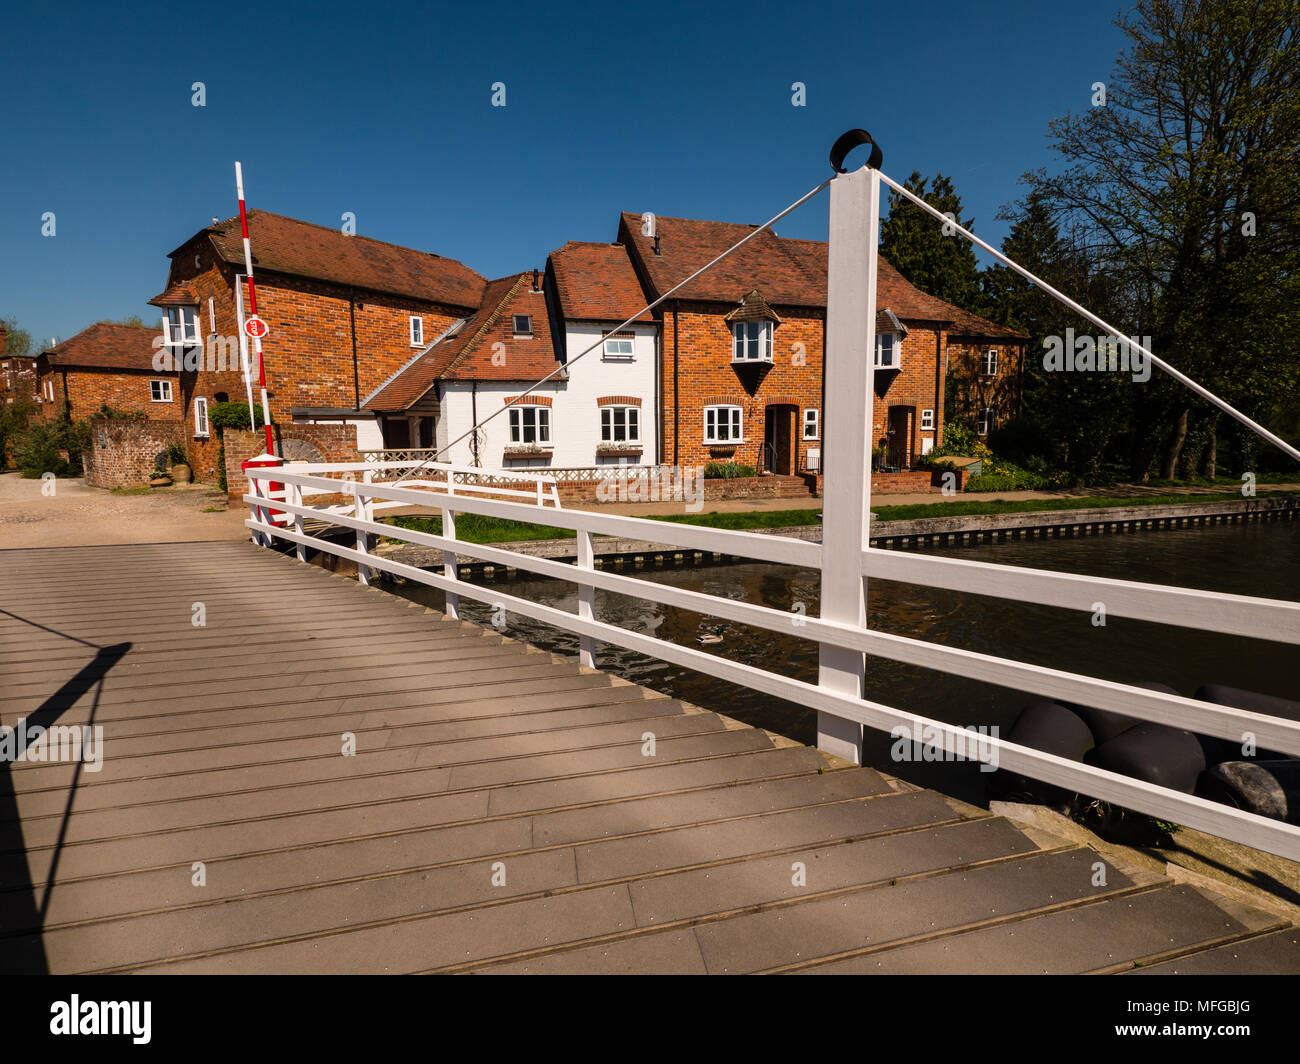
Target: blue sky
385,110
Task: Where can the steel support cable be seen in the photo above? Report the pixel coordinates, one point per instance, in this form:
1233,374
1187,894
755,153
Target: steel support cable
1065,300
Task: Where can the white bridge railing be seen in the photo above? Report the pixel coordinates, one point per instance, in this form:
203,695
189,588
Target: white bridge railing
435,476
845,562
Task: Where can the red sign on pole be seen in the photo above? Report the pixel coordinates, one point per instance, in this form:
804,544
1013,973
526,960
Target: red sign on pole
256,328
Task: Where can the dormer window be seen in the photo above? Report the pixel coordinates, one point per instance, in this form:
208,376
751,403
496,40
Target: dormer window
751,341
181,327
888,351
523,325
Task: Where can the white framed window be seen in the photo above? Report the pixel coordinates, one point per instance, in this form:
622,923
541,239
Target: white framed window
200,416
888,351
811,424
723,424
990,359
984,424
181,327
49,389
927,420
751,341
160,391
530,424
523,324
620,424
417,331
618,348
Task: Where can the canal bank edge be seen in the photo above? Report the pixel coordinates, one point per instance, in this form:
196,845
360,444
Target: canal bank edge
924,531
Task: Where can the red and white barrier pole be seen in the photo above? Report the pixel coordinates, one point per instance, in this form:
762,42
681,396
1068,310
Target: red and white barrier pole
252,306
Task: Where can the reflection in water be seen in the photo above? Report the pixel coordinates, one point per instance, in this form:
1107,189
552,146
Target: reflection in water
1261,559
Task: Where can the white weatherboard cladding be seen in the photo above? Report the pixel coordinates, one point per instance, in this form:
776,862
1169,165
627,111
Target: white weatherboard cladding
575,414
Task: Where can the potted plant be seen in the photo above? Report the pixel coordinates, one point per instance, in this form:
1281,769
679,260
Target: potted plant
180,470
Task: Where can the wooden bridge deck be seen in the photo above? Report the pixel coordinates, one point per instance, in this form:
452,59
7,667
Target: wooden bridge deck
498,814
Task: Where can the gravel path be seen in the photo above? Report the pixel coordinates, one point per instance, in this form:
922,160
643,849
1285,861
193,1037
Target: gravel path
77,515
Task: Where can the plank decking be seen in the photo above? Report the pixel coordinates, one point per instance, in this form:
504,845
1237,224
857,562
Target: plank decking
499,815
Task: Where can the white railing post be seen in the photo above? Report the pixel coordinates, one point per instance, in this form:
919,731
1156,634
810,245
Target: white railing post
586,598
848,370
452,607
255,489
299,522
361,511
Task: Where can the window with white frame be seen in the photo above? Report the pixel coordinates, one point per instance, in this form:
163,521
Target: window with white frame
160,391
811,424
530,424
523,324
620,424
887,351
723,424
618,347
927,420
200,416
984,423
181,327
751,341
417,331
991,362
49,389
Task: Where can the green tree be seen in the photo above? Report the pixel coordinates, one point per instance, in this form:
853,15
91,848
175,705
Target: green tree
915,244
17,341
1183,183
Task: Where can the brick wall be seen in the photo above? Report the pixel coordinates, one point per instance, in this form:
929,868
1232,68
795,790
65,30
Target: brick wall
308,351
86,390
705,376
910,481
311,443
124,452
971,388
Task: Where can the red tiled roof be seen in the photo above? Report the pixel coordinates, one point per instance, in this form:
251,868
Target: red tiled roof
302,249
768,263
177,295
596,282
965,323
107,346
787,271
468,354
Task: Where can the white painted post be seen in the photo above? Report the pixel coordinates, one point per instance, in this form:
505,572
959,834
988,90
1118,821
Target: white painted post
452,608
295,496
586,597
846,430
361,511
255,489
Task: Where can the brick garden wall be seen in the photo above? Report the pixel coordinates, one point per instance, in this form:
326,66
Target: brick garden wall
123,452
305,443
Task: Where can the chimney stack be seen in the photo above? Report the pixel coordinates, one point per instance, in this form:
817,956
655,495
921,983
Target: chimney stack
535,286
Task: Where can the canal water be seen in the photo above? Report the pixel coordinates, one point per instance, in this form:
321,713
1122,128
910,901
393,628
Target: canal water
1254,559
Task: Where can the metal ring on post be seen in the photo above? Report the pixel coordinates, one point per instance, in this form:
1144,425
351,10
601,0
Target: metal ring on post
847,142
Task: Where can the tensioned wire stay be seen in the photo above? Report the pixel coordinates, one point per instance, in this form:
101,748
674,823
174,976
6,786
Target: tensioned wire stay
1066,301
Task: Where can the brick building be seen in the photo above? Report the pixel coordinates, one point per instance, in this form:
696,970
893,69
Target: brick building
743,346
345,313
106,364
985,372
